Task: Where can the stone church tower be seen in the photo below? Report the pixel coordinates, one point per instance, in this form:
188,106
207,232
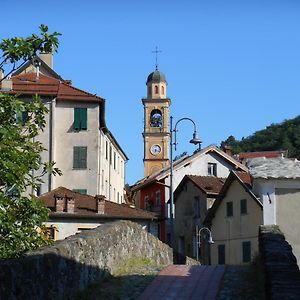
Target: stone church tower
156,124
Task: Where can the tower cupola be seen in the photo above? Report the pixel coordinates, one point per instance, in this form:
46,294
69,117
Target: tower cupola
156,85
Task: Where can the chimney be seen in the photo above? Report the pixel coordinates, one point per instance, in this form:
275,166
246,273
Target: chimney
70,204
1,73
100,204
6,84
228,150
59,203
47,58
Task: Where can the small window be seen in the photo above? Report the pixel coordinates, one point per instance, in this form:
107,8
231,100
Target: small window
106,150
80,118
196,207
246,252
157,198
156,89
79,157
212,169
243,206
81,191
115,164
110,155
162,89
221,254
229,209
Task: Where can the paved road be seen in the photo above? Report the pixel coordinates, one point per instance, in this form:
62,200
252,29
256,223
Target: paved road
183,282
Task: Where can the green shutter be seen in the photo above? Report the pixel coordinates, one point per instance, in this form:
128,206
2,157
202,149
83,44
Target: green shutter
246,252
243,206
83,119
81,191
229,206
80,157
221,254
77,118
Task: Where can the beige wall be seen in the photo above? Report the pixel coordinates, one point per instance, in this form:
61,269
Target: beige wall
232,231
287,216
186,220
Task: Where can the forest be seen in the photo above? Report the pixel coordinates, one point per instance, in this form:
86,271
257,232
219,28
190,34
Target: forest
282,136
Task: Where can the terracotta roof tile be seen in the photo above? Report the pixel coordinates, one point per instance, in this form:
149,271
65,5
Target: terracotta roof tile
86,206
267,154
29,84
208,184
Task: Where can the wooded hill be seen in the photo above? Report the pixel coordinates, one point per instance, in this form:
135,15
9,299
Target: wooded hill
285,135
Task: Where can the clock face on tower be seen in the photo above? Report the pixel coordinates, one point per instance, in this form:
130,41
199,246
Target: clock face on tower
155,149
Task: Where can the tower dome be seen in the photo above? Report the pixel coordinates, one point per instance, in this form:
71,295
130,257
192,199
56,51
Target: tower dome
156,77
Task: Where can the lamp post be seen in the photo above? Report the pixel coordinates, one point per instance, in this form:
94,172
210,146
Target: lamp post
198,237
196,141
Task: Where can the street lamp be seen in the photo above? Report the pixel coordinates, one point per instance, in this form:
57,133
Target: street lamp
196,141
198,237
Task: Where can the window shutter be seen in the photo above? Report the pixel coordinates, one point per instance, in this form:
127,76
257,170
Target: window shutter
246,252
81,191
77,118
221,254
229,206
82,157
76,157
83,118
243,206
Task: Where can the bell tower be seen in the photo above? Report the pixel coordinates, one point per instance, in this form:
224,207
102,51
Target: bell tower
156,124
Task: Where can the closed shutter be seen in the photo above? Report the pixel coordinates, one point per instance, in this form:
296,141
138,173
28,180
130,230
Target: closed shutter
221,254
246,252
80,157
77,118
83,119
243,206
229,206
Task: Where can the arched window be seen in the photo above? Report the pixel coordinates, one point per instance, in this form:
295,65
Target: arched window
156,118
162,89
156,89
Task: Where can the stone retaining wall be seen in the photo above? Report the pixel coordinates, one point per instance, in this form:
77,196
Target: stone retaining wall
282,275
60,270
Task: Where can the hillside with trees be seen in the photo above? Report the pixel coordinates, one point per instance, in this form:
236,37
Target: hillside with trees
285,135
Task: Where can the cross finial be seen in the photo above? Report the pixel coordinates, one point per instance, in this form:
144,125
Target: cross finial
156,51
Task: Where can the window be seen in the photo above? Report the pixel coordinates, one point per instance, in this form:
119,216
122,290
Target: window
246,252
156,118
243,206
196,207
79,157
13,193
162,90
157,202
146,203
38,190
212,169
115,164
229,209
81,191
221,254
106,150
80,118
110,155
156,89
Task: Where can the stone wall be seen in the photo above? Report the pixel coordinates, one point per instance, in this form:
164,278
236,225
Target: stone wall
60,270
282,275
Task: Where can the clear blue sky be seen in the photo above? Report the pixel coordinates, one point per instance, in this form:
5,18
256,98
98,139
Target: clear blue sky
231,66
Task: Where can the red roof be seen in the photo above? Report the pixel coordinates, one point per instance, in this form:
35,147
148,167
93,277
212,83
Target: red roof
86,206
244,177
29,83
267,154
209,184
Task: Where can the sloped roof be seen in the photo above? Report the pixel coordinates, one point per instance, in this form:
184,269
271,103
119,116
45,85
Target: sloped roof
161,174
210,185
277,168
86,207
244,179
267,154
29,83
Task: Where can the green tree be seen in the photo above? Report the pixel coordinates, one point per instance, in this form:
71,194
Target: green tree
20,123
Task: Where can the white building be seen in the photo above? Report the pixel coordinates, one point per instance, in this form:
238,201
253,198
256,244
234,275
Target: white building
76,136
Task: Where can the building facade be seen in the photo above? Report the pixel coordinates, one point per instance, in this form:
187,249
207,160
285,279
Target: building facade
75,136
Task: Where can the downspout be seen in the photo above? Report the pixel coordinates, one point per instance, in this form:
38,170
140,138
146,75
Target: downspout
50,150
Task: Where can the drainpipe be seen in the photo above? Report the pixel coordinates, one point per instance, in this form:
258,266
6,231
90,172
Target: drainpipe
50,150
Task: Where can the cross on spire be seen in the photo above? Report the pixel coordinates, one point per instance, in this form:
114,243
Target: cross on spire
156,51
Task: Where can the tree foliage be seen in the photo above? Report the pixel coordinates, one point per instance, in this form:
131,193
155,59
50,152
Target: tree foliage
283,136
20,123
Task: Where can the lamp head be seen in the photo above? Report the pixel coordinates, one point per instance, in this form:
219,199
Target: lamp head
210,240
195,140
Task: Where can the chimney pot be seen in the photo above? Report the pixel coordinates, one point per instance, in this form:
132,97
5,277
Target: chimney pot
70,204
47,58
100,204
59,203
